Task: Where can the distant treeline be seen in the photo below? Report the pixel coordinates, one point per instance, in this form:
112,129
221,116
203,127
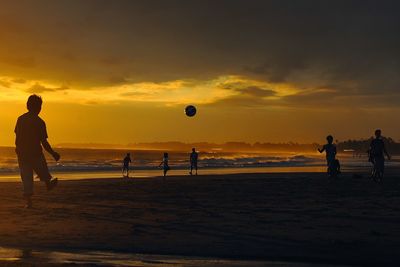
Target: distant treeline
358,146
361,146
202,146
228,146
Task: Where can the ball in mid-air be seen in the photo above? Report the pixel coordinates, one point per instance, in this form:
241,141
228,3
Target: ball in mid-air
190,111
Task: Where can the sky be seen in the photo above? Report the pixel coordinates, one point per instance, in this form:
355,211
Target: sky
122,71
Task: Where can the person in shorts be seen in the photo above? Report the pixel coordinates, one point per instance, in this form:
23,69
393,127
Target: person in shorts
165,164
125,167
31,136
377,152
193,161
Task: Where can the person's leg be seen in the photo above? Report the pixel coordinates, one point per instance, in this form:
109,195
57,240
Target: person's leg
42,170
196,167
381,164
26,171
377,169
374,168
191,169
331,168
165,174
327,168
127,171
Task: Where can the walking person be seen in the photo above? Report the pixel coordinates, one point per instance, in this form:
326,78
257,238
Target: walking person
165,165
377,152
193,161
125,167
31,136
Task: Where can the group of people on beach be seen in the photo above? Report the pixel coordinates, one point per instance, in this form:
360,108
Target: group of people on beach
376,155
193,159
31,137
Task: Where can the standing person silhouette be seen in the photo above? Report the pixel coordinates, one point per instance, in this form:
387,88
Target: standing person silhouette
31,136
377,152
125,168
165,165
330,149
193,161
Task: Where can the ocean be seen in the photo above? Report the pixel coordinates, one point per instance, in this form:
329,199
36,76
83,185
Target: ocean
79,163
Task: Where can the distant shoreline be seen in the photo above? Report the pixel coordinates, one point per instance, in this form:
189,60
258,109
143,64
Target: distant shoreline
83,175
154,173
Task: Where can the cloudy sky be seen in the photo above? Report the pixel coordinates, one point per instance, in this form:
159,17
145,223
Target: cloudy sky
122,71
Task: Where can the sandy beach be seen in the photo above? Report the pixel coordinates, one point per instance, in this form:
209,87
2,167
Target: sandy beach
299,217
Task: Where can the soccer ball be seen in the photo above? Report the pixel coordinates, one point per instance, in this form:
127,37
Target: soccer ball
190,111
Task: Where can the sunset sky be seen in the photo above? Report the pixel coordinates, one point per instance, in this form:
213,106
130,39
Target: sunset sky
270,71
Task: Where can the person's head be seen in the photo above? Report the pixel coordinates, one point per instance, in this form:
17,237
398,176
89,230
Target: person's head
128,154
165,155
34,104
378,133
329,138
193,149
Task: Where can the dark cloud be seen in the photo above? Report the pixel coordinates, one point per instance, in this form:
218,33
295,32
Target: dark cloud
251,96
135,94
18,61
38,88
351,46
5,84
256,91
111,61
118,80
319,98
243,88
329,100
18,80
242,101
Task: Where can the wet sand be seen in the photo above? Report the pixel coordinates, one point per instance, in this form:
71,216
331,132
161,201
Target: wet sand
299,217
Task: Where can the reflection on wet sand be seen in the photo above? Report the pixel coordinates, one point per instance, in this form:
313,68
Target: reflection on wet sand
155,173
37,257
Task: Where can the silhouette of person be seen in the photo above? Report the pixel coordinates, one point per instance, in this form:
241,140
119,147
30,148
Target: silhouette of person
332,162
193,161
377,152
31,136
125,168
165,165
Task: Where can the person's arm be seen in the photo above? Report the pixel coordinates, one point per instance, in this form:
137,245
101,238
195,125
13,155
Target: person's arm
49,149
386,153
321,150
43,137
369,151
